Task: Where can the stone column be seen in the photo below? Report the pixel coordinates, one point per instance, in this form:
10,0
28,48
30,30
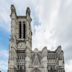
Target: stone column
12,50
28,60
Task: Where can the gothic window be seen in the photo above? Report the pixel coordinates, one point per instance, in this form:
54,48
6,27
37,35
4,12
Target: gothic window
24,30
20,32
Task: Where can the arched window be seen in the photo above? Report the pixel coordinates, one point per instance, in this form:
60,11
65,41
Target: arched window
24,30
20,32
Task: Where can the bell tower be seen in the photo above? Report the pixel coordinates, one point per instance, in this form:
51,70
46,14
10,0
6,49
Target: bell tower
21,29
21,39
23,32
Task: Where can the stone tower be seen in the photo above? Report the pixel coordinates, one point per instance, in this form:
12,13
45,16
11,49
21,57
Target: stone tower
21,56
21,39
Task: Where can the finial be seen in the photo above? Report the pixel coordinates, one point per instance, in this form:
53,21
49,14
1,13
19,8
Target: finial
28,11
12,8
59,46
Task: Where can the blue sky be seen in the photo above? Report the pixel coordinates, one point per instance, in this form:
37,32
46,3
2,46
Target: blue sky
51,26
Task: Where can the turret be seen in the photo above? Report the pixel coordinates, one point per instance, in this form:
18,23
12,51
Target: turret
28,11
44,58
28,59
13,21
13,11
12,49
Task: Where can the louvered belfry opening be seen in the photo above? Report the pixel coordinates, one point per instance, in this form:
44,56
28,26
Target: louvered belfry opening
24,30
20,32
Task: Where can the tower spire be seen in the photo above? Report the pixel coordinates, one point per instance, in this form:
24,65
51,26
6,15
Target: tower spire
28,11
13,10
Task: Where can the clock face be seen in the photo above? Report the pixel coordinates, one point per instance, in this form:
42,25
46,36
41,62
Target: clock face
21,45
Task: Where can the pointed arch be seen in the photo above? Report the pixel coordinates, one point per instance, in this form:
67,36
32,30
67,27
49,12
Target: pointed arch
35,70
24,30
20,32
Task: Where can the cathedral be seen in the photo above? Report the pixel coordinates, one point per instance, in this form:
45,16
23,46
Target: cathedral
21,56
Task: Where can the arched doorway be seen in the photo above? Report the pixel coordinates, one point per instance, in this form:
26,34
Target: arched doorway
36,70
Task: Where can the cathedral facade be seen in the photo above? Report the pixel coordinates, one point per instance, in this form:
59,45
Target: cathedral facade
21,56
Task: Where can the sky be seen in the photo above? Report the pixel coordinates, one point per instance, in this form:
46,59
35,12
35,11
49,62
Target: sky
51,26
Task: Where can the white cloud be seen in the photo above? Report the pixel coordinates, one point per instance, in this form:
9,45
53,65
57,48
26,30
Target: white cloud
52,24
68,66
3,66
48,13
3,60
5,14
4,53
